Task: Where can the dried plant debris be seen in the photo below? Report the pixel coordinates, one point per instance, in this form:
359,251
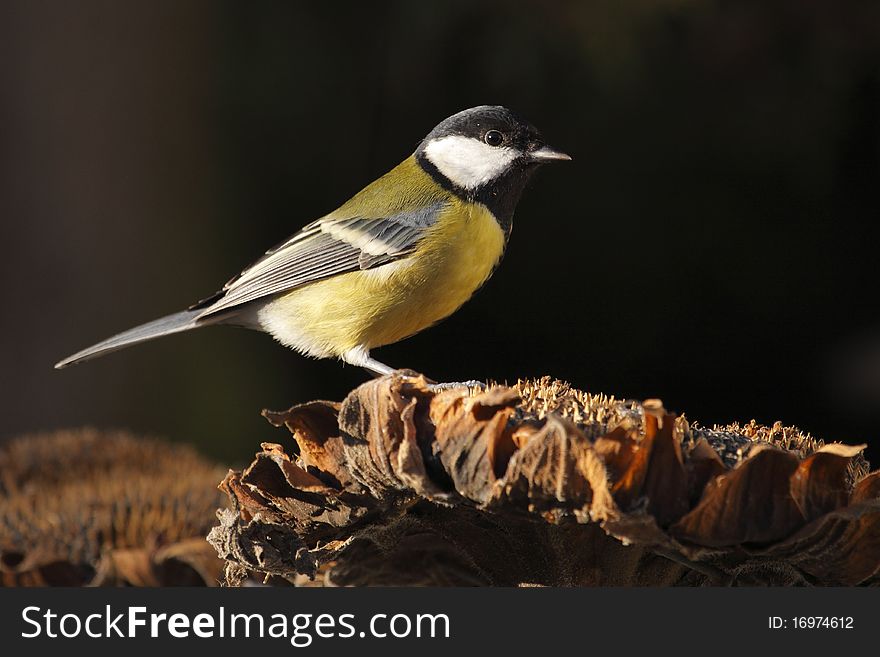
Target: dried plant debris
106,508
406,483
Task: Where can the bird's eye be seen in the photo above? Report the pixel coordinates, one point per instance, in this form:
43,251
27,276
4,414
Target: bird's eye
493,138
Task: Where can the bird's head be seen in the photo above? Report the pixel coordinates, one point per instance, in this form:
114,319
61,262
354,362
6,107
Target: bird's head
481,147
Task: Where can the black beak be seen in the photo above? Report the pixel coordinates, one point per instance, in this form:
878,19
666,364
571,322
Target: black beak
547,154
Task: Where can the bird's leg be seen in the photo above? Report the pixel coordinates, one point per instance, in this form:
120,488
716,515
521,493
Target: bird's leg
361,357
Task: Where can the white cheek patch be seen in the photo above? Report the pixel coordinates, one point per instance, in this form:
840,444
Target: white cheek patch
468,162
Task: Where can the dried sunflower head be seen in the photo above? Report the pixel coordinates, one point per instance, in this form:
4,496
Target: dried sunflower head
540,483
87,506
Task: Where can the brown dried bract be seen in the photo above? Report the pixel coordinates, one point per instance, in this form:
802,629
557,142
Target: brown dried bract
405,483
105,508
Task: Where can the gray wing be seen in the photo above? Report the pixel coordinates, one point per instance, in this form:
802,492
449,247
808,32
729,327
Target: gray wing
327,247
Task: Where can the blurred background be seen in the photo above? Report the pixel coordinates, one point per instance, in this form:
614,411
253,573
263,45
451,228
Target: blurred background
713,243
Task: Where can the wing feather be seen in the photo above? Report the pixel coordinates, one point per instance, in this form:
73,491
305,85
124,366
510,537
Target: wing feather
325,248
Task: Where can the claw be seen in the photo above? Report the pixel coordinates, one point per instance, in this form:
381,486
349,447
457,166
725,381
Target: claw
439,387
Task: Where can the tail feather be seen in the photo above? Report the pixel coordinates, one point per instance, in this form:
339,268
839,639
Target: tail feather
182,321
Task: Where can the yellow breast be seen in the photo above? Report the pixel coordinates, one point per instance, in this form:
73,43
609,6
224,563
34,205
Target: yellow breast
394,301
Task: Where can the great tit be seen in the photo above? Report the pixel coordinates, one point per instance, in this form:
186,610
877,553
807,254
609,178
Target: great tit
403,253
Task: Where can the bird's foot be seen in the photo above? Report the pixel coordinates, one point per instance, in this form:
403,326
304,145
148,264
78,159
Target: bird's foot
360,356
435,387
440,387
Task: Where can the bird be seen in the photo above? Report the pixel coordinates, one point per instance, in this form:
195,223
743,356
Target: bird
405,252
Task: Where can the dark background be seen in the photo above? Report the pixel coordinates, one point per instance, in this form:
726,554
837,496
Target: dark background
713,243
